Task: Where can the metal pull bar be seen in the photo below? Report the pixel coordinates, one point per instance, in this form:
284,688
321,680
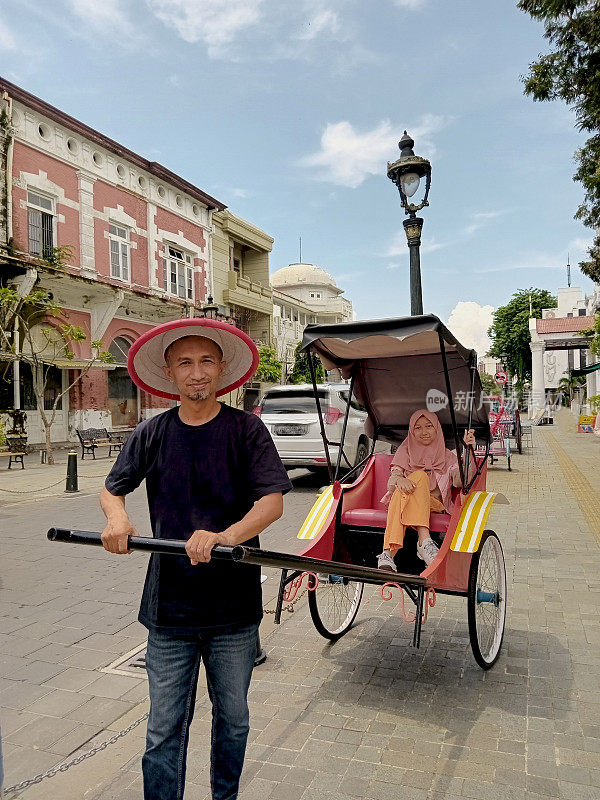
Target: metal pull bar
248,555
151,545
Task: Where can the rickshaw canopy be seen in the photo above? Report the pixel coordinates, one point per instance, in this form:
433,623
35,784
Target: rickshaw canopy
401,365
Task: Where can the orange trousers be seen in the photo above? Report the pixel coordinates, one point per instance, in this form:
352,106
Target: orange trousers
409,510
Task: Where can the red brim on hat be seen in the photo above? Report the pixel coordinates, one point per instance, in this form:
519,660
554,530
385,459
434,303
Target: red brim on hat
146,359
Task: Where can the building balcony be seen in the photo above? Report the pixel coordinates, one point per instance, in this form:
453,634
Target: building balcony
248,294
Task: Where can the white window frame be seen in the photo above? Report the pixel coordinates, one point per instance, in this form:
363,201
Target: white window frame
39,203
119,252
178,272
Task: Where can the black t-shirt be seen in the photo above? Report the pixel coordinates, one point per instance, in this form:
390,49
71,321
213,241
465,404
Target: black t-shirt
199,477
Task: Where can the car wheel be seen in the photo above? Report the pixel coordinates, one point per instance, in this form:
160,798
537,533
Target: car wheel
362,451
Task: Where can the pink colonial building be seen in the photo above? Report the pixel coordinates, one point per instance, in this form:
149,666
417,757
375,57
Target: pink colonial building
141,243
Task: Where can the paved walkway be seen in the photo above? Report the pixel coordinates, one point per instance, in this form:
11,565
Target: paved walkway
368,716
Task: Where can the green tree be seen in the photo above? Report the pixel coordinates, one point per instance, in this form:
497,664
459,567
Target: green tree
510,329
301,368
489,384
41,344
594,332
571,72
269,366
569,384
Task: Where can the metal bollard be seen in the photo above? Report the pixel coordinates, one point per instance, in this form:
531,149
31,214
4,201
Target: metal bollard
72,485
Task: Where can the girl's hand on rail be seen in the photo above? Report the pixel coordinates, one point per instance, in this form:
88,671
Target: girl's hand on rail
469,438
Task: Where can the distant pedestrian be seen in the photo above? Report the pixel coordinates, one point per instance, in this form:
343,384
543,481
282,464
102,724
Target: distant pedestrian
213,477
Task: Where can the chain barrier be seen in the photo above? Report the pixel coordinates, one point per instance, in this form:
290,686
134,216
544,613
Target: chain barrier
52,485
29,491
50,773
289,607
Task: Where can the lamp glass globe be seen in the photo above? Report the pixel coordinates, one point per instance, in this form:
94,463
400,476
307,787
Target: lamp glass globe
410,183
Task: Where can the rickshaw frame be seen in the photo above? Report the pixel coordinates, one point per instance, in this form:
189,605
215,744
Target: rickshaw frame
416,587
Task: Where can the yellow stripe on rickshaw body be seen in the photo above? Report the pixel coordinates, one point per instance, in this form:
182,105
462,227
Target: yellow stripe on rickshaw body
317,515
471,523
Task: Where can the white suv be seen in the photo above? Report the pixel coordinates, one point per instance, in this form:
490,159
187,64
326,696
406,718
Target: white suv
290,414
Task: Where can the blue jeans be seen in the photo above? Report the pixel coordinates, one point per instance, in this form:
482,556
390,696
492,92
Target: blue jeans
172,664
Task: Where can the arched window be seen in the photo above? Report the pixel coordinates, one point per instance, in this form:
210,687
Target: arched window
119,348
122,392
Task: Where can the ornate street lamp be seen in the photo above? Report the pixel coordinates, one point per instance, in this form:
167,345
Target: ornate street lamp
407,173
211,309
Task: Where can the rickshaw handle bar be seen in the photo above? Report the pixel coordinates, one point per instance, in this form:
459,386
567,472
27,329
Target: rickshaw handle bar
247,555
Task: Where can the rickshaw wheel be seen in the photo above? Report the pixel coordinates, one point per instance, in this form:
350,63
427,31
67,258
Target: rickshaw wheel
334,605
486,600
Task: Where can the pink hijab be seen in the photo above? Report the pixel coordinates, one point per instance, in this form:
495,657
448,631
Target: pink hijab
434,458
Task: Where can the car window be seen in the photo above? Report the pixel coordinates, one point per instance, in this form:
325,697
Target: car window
293,401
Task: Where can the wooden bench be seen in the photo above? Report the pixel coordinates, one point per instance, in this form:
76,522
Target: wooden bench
117,439
17,448
91,438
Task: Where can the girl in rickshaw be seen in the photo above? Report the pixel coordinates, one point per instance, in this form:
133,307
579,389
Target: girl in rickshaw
423,473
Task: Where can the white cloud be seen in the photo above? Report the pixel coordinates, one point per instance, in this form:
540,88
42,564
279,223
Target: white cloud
347,157
412,4
106,15
7,40
469,322
580,245
533,263
239,193
214,22
479,220
324,21
398,246
344,277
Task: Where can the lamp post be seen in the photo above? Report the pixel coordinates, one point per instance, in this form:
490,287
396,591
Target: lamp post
211,309
406,173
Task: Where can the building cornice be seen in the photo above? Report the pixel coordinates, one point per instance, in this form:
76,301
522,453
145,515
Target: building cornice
243,231
292,301
153,167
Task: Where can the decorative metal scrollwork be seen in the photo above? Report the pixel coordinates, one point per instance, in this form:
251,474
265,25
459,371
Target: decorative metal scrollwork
430,598
294,586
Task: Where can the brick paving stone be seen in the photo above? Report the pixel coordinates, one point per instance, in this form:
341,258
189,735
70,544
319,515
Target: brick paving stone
75,739
42,732
57,703
12,720
20,694
25,762
577,791
111,686
99,710
72,679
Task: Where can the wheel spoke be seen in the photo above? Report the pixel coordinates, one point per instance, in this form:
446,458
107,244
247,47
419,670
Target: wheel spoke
337,602
489,617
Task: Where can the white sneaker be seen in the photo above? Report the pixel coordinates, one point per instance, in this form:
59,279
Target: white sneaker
427,551
385,561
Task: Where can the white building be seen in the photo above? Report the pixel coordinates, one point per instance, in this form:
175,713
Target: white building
555,345
303,294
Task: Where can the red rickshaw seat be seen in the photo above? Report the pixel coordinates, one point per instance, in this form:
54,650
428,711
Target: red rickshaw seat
376,515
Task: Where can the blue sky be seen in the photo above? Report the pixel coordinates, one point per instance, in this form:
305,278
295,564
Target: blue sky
289,111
